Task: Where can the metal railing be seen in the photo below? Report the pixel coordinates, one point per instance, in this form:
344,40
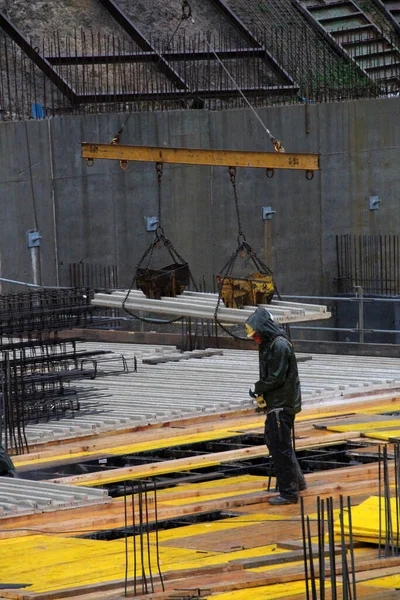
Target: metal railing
360,317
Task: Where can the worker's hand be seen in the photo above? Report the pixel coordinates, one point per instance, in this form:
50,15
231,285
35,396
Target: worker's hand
252,394
261,402
259,388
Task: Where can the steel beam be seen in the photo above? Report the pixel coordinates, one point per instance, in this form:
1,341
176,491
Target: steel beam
38,60
246,33
197,156
141,57
143,43
271,90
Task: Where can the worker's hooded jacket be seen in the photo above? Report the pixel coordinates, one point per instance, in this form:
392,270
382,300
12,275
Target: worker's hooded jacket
6,464
279,378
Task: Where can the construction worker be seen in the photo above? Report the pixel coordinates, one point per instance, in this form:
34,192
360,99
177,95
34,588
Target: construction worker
7,468
278,393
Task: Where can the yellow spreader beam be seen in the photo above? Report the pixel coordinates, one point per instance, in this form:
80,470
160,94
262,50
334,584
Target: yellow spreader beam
197,156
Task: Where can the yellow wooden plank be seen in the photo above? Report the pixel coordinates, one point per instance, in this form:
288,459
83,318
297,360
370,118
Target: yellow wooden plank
156,444
270,592
199,462
49,563
392,581
198,156
365,427
365,520
390,434
215,526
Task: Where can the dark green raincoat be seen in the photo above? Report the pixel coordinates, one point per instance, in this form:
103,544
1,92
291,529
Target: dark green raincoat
279,378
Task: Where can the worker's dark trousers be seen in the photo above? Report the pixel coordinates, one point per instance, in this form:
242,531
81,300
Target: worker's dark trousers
278,437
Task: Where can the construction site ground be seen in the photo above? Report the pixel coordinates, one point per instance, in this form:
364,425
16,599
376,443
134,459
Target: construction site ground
217,537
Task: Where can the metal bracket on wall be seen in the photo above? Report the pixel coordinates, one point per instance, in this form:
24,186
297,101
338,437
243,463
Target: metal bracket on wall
267,213
151,223
33,239
374,202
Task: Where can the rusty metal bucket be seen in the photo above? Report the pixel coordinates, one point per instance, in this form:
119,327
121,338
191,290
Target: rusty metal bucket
237,292
168,281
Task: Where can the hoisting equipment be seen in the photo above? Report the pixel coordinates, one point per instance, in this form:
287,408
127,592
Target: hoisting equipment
259,286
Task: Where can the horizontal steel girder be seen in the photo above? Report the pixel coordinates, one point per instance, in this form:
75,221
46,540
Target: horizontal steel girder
196,156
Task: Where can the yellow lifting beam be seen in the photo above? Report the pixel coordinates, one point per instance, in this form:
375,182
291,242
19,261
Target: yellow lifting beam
197,156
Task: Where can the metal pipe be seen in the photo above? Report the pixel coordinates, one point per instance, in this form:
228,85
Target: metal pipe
157,542
360,295
126,540
310,552
340,298
148,537
353,569
345,575
134,543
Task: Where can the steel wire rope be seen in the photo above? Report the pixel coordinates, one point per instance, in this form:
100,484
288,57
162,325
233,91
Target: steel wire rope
275,142
243,245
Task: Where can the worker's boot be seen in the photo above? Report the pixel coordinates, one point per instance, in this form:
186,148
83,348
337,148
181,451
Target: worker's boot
280,500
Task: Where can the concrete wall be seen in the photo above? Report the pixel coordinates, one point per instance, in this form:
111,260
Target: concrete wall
98,214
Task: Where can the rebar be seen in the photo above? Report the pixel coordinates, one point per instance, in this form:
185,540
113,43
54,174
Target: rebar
142,495
288,65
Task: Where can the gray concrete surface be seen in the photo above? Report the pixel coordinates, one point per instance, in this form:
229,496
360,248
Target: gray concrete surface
98,214
21,497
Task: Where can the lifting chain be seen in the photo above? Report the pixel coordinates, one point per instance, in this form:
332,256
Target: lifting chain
160,239
160,171
232,175
243,247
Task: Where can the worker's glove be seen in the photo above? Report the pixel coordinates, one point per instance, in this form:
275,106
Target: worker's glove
259,388
261,402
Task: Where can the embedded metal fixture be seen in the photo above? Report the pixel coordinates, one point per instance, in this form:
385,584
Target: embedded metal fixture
374,202
267,213
33,239
151,223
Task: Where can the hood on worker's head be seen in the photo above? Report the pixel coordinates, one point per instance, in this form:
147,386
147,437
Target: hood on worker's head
263,323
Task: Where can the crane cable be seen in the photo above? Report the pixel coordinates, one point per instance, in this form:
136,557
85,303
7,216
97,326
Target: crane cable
275,142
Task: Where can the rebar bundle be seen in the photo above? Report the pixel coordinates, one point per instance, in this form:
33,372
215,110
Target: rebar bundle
43,312
35,387
141,552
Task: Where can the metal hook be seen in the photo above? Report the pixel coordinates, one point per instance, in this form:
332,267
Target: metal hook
232,174
309,175
270,173
159,169
278,146
89,162
123,164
